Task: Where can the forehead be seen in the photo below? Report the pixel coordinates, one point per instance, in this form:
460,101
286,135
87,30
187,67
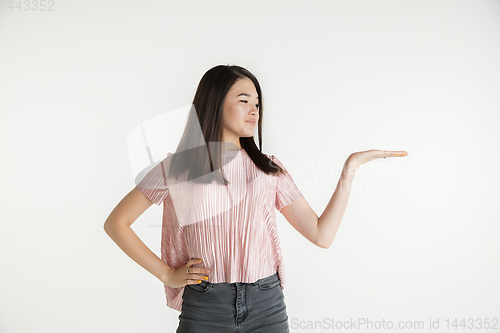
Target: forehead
244,86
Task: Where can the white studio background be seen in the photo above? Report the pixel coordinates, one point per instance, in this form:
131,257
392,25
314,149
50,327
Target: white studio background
419,238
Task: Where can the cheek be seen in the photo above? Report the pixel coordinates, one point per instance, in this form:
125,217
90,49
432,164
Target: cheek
232,116
228,118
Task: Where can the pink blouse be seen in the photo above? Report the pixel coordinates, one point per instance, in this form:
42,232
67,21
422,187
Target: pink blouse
232,228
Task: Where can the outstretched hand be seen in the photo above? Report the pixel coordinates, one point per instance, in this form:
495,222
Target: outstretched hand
359,158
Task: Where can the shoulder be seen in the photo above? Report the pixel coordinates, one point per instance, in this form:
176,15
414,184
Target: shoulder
270,156
275,160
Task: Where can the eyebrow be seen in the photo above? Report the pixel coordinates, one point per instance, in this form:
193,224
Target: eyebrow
245,94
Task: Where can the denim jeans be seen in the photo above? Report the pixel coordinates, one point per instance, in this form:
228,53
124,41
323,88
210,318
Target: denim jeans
234,307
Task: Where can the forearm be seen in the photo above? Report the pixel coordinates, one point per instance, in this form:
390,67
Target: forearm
128,241
329,221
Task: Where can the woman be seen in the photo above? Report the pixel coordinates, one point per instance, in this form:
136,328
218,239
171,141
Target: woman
221,262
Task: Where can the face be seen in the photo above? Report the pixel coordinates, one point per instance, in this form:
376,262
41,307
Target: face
240,105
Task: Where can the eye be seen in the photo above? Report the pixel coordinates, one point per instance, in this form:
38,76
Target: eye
257,105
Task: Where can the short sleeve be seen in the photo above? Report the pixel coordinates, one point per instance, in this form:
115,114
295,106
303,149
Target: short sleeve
154,184
286,190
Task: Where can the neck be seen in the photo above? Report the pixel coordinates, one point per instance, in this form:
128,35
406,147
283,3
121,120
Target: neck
230,146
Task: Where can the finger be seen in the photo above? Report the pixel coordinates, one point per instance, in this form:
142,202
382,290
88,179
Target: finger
400,153
394,153
194,261
197,276
197,273
195,281
199,270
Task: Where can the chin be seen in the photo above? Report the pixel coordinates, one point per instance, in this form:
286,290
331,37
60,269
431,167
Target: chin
246,134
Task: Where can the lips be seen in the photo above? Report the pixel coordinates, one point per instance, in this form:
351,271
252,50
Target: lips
253,122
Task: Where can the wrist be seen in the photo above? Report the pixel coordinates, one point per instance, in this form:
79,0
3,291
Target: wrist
165,274
351,164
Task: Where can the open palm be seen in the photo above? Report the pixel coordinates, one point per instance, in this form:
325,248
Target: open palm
362,157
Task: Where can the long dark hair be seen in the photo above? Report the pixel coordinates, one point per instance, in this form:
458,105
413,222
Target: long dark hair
199,150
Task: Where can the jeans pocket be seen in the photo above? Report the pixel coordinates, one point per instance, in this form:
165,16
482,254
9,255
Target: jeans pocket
203,286
266,285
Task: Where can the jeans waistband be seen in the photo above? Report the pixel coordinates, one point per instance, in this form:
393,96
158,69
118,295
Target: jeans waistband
268,279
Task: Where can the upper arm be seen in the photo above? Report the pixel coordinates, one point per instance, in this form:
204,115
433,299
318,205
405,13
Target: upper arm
294,207
129,208
303,218
151,189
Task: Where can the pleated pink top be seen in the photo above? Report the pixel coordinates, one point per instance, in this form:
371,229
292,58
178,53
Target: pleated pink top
232,228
